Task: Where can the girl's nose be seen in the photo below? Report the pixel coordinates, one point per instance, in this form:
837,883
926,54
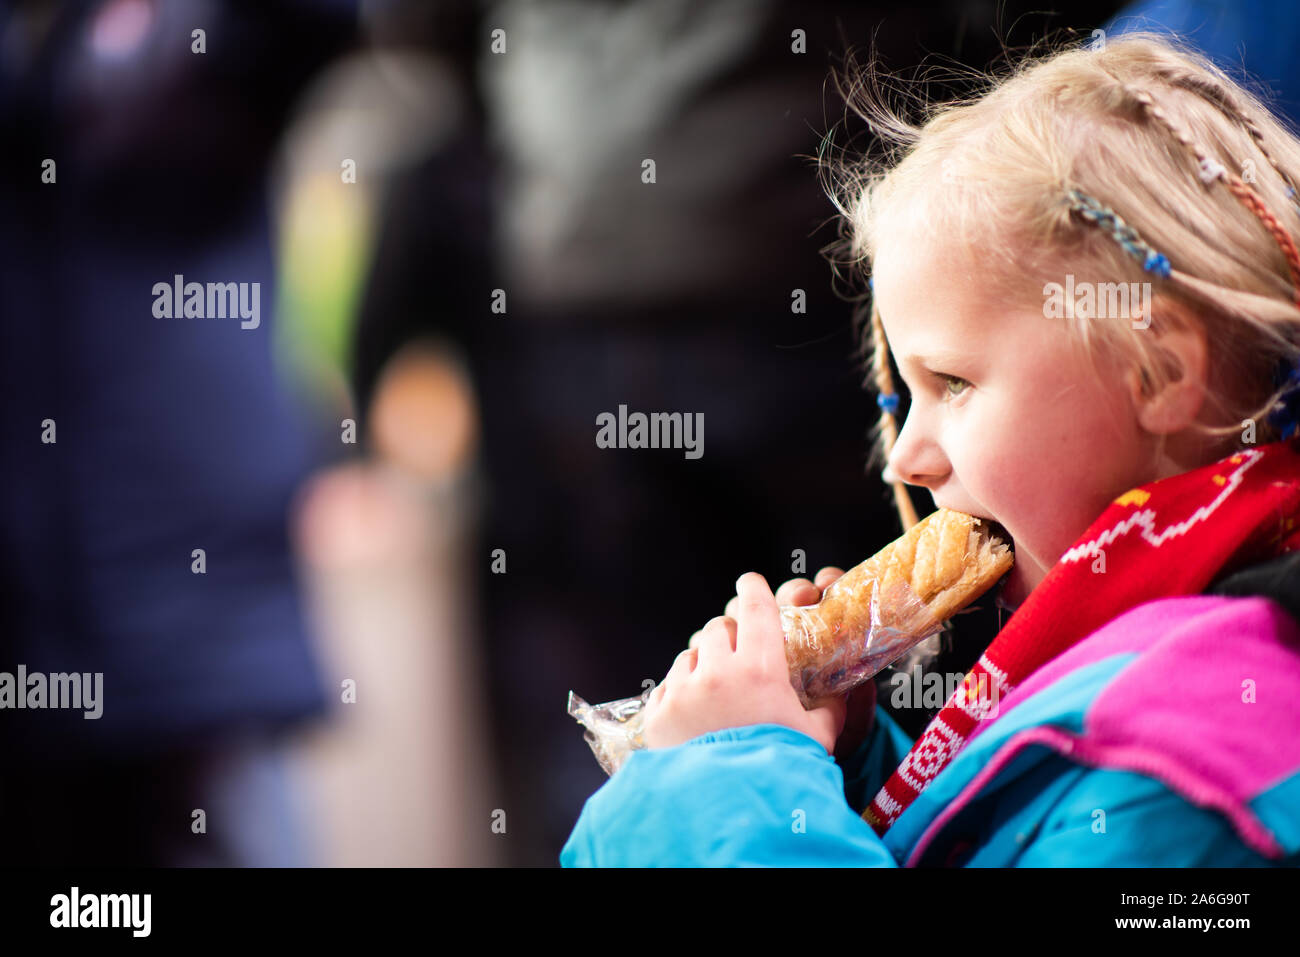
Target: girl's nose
915,459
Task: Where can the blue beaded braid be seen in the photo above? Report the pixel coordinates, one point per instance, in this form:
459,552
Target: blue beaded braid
1124,234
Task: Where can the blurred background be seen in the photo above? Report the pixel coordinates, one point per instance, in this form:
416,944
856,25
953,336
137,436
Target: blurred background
341,570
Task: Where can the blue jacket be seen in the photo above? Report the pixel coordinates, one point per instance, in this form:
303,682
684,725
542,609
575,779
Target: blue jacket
1166,738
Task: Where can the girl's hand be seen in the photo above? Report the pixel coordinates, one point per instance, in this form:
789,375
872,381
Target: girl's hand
861,703
734,675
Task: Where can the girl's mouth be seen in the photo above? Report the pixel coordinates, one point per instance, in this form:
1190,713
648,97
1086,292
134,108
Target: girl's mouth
1000,530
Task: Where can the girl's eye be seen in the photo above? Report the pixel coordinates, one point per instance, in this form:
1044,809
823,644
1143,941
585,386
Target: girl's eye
949,380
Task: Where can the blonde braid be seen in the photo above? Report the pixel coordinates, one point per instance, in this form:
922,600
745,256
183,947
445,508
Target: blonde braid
1211,170
1221,97
884,377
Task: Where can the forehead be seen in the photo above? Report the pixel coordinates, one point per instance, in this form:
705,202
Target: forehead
935,305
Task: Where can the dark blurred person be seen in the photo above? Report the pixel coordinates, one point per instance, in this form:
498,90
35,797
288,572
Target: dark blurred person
132,441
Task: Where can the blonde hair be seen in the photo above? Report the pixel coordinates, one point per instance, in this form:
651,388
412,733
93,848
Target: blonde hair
1139,123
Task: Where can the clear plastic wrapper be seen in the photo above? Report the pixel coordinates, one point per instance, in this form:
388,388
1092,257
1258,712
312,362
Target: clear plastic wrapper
837,644
614,729
858,629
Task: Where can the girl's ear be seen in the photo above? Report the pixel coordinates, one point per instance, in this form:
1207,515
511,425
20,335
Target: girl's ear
1182,352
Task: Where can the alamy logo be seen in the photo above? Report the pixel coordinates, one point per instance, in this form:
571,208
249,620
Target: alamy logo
102,910
1098,300
37,690
179,299
659,430
932,690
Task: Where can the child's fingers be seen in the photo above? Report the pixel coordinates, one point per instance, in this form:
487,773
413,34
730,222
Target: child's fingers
798,591
717,640
682,666
758,629
827,575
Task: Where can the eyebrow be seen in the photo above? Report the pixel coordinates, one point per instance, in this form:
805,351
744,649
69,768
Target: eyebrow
934,360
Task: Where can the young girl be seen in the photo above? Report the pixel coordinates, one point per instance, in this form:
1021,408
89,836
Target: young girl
1089,283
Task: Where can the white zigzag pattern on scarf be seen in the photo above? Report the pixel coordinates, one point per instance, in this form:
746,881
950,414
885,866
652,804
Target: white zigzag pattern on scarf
1146,517
939,736
888,805
996,672
937,730
955,742
996,687
980,706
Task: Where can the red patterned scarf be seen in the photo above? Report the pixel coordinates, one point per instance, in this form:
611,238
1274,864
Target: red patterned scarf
1171,537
